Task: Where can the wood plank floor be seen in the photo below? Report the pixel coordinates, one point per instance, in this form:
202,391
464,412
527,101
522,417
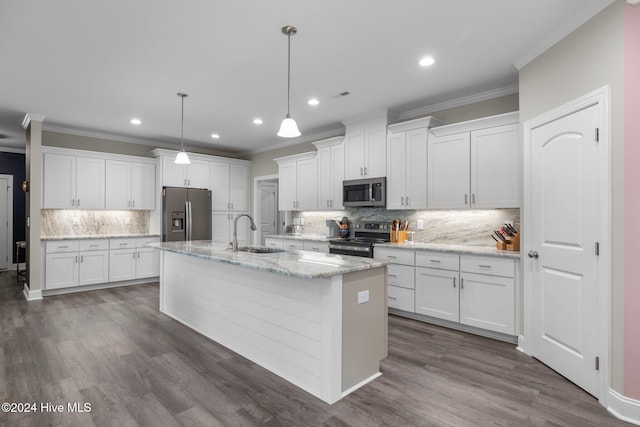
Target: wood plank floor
137,367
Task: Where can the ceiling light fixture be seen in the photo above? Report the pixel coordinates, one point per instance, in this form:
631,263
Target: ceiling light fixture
257,121
313,101
135,122
215,135
182,158
427,61
289,127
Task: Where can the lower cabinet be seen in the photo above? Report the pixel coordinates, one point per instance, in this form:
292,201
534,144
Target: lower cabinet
297,244
400,277
313,246
437,293
72,263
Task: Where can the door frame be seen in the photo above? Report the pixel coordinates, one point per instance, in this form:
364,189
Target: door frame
257,205
600,98
10,264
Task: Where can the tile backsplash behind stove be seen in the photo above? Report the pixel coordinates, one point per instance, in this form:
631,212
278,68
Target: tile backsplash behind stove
471,227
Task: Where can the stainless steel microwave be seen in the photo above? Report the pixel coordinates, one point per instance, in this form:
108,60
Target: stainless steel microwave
370,192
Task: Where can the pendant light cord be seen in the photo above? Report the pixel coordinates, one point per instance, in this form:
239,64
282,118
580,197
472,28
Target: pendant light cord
182,126
289,75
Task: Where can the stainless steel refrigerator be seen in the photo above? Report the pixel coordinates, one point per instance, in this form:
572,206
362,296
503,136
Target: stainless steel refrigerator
186,214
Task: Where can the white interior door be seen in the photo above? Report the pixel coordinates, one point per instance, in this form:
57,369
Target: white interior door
268,210
4,223
564,231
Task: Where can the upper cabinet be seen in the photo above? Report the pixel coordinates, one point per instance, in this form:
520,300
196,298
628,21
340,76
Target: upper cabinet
365,145
298,180
330,172
406,163
73,182
130,185
194,175
475,164
230,185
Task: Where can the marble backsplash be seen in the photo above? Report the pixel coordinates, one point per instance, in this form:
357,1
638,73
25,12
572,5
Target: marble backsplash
56,222
471,227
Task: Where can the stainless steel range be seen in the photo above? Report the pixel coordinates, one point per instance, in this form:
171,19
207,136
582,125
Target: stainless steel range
364,236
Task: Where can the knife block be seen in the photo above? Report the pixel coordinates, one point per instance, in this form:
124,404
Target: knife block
512,244
403,236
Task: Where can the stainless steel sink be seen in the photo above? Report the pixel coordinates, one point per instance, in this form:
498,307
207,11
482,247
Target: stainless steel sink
259,249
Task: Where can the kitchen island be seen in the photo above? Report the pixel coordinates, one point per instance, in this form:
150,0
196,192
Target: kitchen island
317,320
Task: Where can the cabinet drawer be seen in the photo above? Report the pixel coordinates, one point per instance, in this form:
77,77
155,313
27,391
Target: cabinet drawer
487,265
94,245
273,243
141,241
292,245
397,256
439,260
401,298
316,246
62,246
401,275
122,243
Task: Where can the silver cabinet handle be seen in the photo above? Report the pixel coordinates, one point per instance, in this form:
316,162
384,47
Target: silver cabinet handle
133,203
533,254
406,200
129,204
93,246
361,172
401,201
461,283
466,198
365,171
473,198
434,260
138,254
391,256
390,297
78,202
484,266
81,258
64,246
391,275
123,244
454,282
189,181
76,261
134,254
294,204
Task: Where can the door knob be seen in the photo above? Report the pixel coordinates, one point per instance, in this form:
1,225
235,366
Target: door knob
533,254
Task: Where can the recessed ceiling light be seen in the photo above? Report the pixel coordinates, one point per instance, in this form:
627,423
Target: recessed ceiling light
426,61
215,135
257,121
313,101
135,121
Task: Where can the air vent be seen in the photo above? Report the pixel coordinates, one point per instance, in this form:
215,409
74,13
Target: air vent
342,94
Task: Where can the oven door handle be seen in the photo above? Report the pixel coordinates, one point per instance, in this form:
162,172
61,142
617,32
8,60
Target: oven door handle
351,248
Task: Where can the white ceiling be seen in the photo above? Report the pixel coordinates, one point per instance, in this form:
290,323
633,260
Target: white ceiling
92,66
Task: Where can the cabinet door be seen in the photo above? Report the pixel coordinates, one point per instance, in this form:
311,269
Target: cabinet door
287,175
375,152
416,173
220,227
59,179
61,270
448,171
198,174
401,298
495,167
337,172
239,187
220,186
90,183
93,267
396,171
307,185
118,193
173,175
325,183
437,293
147,263
488,302
354,155
143,186
122,264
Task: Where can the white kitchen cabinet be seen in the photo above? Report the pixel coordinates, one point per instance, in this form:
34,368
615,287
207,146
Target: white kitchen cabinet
61,270
73,182
122,264
330,173
130,185
292,245
129,259
298,181
76,263
222,227
194,175
475,164
272,242
406,171
437,293
314,246
147,259
230,186
93,267
365,151
400,277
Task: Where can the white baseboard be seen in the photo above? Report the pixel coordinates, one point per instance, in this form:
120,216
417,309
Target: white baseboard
521,344
31,295
623,407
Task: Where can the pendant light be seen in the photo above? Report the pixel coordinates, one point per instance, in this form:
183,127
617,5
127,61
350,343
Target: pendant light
182,158
289,128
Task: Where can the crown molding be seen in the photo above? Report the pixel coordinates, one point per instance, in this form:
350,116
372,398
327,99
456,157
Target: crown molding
107,136
585,14
311,137
31,116
458,102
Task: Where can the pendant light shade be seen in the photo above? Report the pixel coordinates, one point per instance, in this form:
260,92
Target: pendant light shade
182,158
289,127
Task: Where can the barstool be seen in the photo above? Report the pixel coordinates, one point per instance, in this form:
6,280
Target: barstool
21,273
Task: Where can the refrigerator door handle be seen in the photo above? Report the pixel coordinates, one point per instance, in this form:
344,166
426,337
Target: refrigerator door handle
189,219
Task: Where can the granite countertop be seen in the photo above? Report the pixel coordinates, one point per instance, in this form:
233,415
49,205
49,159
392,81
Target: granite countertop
98,236
458,249
302,264
309,237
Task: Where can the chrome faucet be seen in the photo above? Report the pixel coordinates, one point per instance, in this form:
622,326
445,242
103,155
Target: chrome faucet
234,244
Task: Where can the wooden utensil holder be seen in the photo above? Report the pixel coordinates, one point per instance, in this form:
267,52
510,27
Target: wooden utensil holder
403,236
513,244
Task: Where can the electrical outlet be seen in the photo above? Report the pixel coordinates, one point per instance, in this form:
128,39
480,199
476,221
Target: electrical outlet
420,224
509,222
75,221
363,296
